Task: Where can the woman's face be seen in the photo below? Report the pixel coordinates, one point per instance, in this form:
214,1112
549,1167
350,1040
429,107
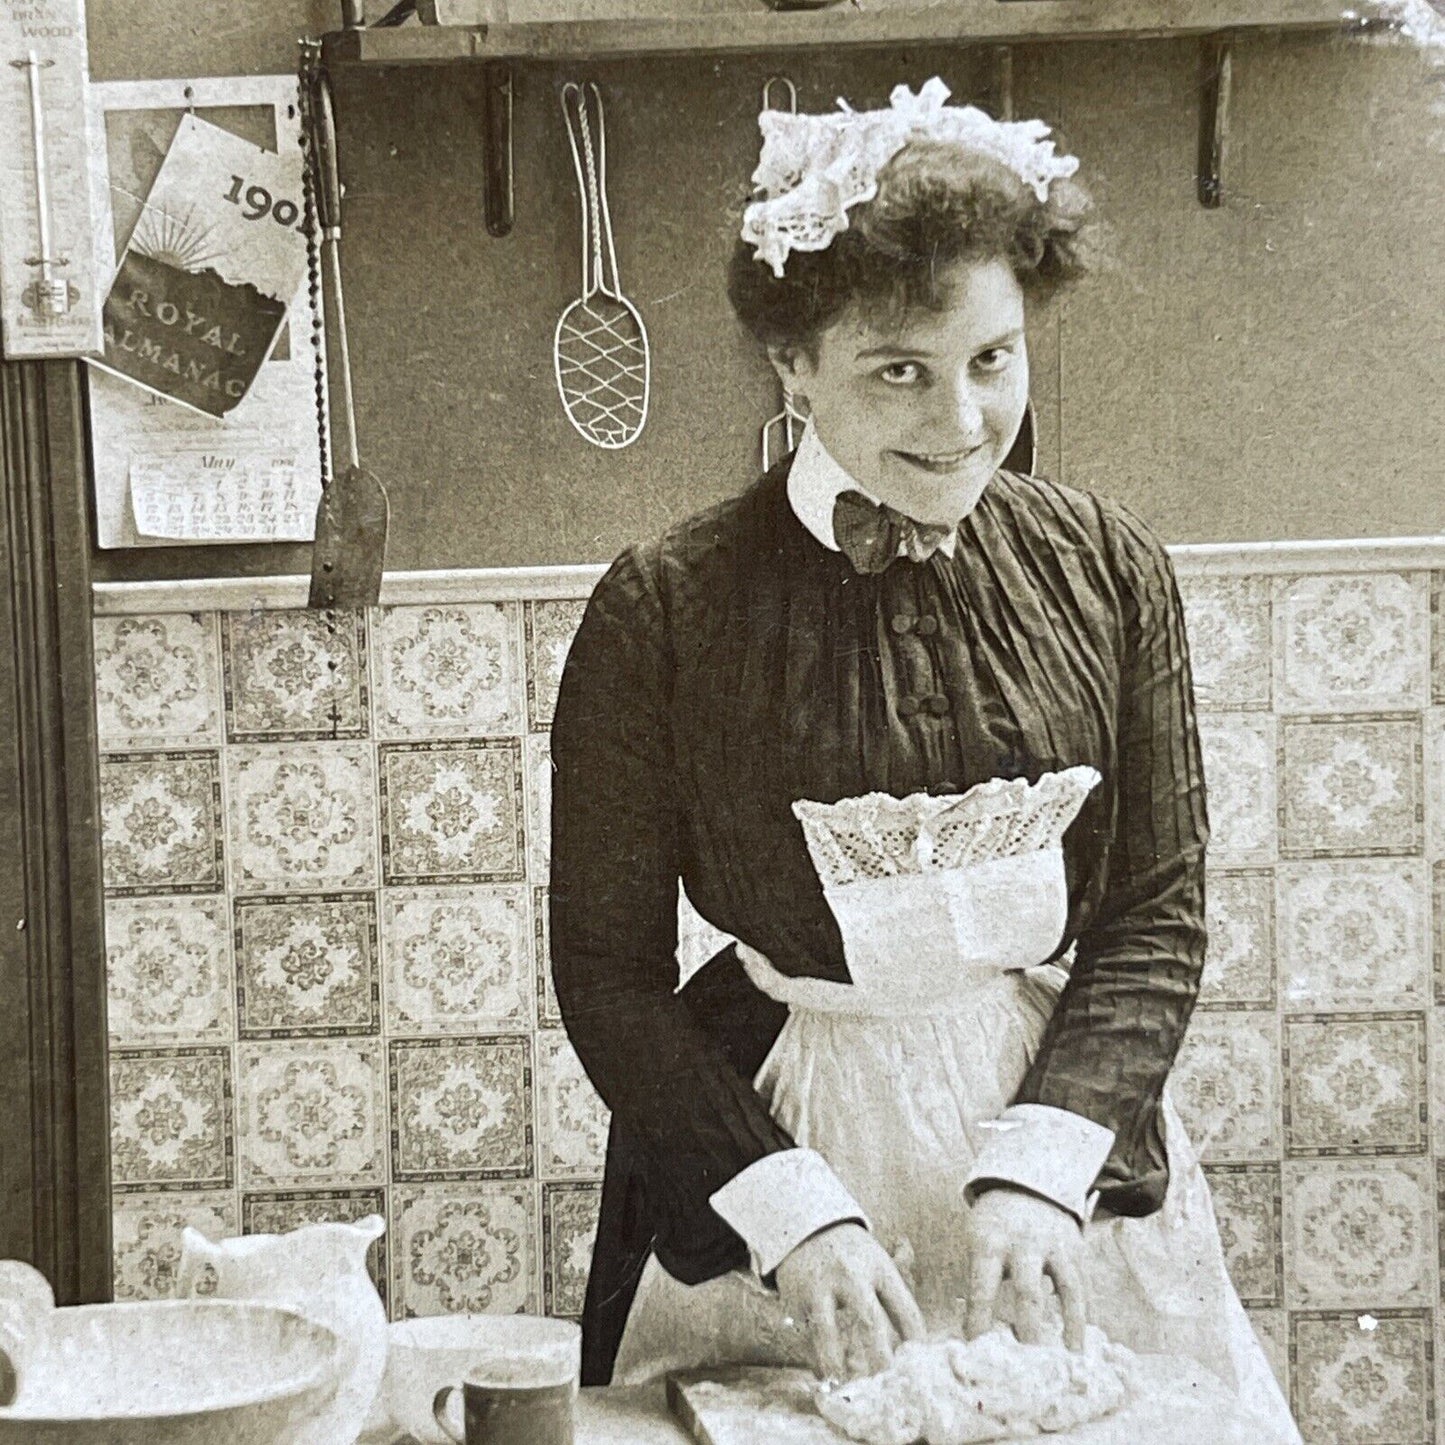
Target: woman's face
922,411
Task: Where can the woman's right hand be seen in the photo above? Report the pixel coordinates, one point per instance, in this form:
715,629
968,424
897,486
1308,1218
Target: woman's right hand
844,1290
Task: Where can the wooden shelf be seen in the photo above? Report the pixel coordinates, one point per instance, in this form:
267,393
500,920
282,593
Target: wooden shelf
864,22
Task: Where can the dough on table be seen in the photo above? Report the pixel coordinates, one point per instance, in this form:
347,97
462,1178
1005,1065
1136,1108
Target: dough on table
948,1392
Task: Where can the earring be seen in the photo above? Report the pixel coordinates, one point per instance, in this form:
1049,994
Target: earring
795,409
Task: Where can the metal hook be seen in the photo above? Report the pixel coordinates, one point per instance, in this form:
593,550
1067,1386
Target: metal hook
788,86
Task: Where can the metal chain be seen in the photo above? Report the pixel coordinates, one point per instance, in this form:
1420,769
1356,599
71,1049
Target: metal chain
307,73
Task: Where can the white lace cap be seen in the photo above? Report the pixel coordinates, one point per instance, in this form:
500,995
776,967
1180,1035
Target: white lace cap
814,167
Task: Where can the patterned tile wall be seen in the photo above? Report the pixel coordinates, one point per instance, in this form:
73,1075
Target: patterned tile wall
326,864
326,868
1310,1077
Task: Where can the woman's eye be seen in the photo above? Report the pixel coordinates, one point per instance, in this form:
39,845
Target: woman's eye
994,359
901,373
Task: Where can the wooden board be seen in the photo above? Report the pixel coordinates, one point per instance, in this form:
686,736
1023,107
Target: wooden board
1174,1403
749,1405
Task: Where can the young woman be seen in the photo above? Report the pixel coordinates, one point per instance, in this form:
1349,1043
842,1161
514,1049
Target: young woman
827,1141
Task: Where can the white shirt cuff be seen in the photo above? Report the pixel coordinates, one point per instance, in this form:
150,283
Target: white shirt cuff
782,1200
1051,1152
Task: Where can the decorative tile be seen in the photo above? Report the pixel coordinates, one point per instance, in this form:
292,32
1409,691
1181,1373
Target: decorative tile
1439,1371
161,823
1436,1050
458,960
311,1113
1271,1329
1440,1217
569,1234
1226,1085
537,753
448,671
1365,1380
1437,890
1247,1203
465,1249
1351,641
1227,621
1437,630
461,1108
1239,917
146,1237
1435,786
168,970
572,1120
170,1119
1359,1233
301,817
452,812
157,681
1355,1084
281,1213
1353,934
1239,766
548,1011
295,674
307,965
551,626
1349,786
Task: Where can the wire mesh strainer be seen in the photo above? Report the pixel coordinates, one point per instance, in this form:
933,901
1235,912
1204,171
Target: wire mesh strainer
600,352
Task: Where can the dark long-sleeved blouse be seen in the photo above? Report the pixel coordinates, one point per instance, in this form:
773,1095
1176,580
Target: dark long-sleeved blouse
736,665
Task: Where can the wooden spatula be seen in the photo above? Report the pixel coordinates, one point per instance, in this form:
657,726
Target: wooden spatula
351,519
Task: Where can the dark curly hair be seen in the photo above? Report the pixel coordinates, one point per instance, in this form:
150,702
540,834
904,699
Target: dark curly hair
936,204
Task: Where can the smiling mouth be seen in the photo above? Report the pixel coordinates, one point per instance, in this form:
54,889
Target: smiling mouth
940,463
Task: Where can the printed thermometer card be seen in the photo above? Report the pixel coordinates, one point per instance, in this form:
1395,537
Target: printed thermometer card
52,265
203,285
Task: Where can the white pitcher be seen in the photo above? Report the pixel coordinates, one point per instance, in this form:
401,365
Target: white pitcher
318,1270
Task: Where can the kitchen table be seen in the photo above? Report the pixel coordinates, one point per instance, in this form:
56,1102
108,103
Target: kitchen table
608,1415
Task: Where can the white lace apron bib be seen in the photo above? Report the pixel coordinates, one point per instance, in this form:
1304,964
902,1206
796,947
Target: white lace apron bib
896,1077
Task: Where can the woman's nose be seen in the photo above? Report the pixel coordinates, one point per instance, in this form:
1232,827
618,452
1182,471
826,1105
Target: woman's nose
967,410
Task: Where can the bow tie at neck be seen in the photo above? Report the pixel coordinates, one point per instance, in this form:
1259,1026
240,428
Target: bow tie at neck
872,534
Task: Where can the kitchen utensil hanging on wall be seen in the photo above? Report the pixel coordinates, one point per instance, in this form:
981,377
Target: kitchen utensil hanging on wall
349,549
781,433
600,353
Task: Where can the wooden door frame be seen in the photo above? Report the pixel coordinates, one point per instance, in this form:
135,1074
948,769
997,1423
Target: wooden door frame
55,1205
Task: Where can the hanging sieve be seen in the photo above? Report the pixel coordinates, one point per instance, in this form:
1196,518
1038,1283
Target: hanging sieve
600,352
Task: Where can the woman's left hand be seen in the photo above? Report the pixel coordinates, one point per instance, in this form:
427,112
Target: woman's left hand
1033,1244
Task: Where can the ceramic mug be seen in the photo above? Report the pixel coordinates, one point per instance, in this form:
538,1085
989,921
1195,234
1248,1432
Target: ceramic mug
484,1379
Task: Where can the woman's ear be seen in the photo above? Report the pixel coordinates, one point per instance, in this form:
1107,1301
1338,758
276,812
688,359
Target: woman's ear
794,368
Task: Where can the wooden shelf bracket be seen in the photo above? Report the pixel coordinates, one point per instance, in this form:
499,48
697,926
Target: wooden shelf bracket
497,184
1216,65
1003,82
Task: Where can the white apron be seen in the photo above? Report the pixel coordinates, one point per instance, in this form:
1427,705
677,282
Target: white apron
894,1079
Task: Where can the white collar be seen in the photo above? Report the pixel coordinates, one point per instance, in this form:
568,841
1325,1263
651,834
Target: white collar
814,483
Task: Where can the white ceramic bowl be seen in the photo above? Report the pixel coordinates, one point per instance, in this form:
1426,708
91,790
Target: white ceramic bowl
426,1355
173,1372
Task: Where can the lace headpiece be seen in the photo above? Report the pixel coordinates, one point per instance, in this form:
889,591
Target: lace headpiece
814,167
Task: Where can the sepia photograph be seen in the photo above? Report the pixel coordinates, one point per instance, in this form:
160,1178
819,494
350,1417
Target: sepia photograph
726,722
